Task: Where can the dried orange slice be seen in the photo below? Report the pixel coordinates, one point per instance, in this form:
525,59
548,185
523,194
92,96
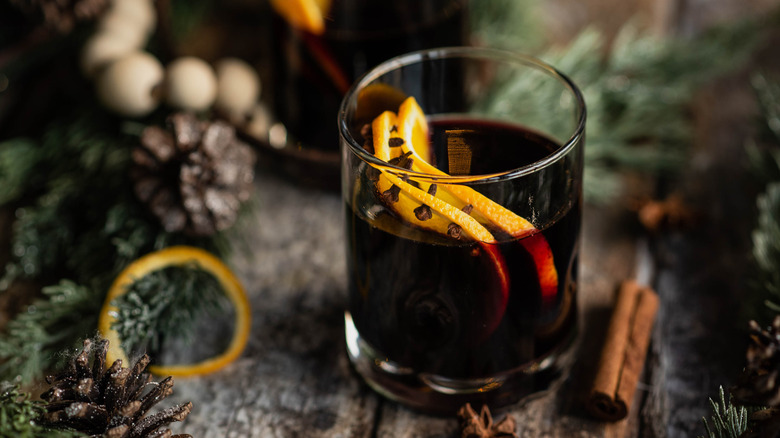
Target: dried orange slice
303,14
179,256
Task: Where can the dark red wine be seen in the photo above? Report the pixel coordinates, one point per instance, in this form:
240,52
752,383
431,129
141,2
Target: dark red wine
312,72
438,305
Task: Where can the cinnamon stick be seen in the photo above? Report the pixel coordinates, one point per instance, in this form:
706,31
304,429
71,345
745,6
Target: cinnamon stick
624,352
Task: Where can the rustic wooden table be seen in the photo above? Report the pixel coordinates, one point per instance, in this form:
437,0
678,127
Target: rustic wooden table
294,378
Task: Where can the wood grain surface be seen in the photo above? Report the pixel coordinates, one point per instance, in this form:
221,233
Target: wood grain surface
294,379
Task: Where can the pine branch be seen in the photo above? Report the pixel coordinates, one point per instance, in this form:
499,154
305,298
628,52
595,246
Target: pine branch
79,221
84,222
510,24
19,416
764,150
768,95
78,175
18,160
65,315
637,95
638,99
766,246
727,420
764,162
165,304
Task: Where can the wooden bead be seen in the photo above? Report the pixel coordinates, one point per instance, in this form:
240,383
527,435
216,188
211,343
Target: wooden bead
127,85
100,50
190,84
238,88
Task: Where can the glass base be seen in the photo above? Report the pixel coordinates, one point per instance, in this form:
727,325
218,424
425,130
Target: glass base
441,395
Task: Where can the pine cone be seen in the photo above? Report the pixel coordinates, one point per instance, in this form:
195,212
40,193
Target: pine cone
62,15
110,402
193,176
759,383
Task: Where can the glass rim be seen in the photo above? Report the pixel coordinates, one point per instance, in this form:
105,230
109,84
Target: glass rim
463,52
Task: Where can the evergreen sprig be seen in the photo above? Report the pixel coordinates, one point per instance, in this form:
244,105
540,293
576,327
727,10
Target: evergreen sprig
76,219
165,304
18,159
727,420
764,157
82,212
65,315
72,178
638,91
508,24
638,98
19,416
766,246
768,97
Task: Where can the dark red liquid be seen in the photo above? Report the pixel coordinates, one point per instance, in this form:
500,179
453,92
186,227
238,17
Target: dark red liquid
312,72
433,303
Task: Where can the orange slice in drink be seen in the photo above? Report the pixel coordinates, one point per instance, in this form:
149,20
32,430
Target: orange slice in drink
179,256
416,203
306,15
407,199
412,128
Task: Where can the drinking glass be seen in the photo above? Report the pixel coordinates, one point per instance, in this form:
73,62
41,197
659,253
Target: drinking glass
442,311
313,71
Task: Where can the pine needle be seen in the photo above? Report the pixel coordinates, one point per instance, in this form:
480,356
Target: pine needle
638,98
509,24
767,92
19,416
637,94
80,222
766,244
18,159
727,420
764,156
65,315
166,304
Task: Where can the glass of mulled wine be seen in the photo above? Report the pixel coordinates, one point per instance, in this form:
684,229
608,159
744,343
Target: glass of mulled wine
314,66
462,184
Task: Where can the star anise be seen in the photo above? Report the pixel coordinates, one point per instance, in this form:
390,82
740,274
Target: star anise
473,425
